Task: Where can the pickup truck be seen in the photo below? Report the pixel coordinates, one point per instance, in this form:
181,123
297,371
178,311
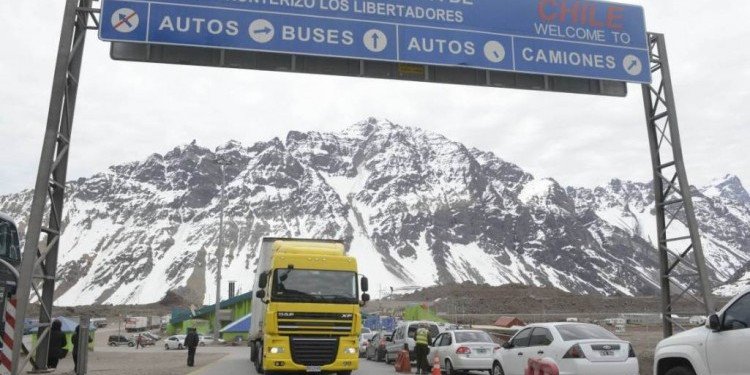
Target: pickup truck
718,348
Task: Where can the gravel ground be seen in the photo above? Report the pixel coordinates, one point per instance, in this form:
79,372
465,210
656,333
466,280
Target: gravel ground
144,362
152,360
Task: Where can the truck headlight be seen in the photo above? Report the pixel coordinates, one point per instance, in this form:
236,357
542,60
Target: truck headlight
276,350
350,351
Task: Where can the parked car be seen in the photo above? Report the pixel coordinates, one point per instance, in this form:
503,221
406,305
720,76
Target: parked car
576,348
208,340
364,341
463,350
145,340
152,336
404,334
719,347
119,340
376,349
174,342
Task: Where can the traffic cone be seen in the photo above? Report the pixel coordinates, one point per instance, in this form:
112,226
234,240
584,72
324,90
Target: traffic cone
436,365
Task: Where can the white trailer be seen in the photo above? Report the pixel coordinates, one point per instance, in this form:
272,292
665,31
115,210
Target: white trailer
136,323
154,321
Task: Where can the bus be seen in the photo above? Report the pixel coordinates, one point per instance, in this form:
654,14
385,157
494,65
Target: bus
10,252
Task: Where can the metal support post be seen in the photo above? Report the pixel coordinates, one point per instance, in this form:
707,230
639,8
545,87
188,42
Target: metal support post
40,262
222,161
682,265
82,357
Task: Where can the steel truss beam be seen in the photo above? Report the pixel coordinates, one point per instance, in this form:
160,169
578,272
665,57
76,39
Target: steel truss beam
683,266
39,264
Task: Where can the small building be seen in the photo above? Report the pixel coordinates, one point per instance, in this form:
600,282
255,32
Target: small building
237,330
508,322
229,310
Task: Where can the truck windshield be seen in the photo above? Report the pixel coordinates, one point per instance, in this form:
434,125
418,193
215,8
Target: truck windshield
9,248
295,285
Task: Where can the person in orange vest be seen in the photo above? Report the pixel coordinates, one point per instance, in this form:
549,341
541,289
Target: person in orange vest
421,349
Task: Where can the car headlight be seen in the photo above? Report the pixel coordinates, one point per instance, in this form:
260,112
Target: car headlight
350,351
276,349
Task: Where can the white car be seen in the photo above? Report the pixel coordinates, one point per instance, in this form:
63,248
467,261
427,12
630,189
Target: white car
174,342
364,341
208,340
576,348
719,347
463,350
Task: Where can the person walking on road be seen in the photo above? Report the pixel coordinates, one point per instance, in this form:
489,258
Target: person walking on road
191,342
57,344
421,349
138,341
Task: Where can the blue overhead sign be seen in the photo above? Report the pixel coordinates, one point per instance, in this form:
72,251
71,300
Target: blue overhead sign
577,38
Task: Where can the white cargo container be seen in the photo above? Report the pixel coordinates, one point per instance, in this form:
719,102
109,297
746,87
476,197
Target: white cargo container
136,323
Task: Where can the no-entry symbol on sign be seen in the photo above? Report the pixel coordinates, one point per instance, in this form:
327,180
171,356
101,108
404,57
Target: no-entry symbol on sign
124,20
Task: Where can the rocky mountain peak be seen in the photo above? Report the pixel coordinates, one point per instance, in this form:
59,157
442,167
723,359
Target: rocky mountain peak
415,208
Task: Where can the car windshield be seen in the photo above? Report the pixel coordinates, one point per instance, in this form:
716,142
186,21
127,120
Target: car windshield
434,330
570,332
472,337
294,285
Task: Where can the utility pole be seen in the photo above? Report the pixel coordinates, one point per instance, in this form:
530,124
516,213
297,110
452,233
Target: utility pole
221,161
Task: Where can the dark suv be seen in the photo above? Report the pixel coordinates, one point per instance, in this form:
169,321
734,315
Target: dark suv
117,340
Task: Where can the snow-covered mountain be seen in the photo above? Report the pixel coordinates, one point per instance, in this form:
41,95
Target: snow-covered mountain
415,207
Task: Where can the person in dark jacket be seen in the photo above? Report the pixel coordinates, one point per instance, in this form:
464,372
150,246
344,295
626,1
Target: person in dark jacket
191,342
57,343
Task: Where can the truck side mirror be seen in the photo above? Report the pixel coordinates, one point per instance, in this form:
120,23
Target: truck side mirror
260,294
713,322
262,280
365,297
364,283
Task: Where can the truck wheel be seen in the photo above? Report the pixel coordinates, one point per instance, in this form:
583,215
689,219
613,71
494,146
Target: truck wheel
680,371
259,358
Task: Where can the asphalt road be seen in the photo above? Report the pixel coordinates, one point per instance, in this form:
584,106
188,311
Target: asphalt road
238,363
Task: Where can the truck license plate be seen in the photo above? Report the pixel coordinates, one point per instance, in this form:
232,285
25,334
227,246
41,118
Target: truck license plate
313,368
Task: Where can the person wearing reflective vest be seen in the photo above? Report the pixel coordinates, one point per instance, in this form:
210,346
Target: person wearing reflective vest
421,349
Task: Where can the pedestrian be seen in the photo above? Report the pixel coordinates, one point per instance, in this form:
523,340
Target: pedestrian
74,339
191,342
421,349
57,344
138,341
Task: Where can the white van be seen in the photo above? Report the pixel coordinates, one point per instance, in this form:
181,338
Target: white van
405,333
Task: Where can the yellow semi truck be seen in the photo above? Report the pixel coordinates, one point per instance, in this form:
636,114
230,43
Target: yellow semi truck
305,310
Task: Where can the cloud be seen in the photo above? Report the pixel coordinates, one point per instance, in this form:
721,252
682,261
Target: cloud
128,110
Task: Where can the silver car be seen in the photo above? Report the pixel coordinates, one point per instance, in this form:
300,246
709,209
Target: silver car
463,350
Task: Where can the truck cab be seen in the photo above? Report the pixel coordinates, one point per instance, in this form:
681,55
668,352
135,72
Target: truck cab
308,307
718,348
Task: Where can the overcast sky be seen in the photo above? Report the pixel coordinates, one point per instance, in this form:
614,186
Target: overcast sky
127,111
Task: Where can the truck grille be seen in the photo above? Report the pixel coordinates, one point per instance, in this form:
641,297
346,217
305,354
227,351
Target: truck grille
291,323
314,351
